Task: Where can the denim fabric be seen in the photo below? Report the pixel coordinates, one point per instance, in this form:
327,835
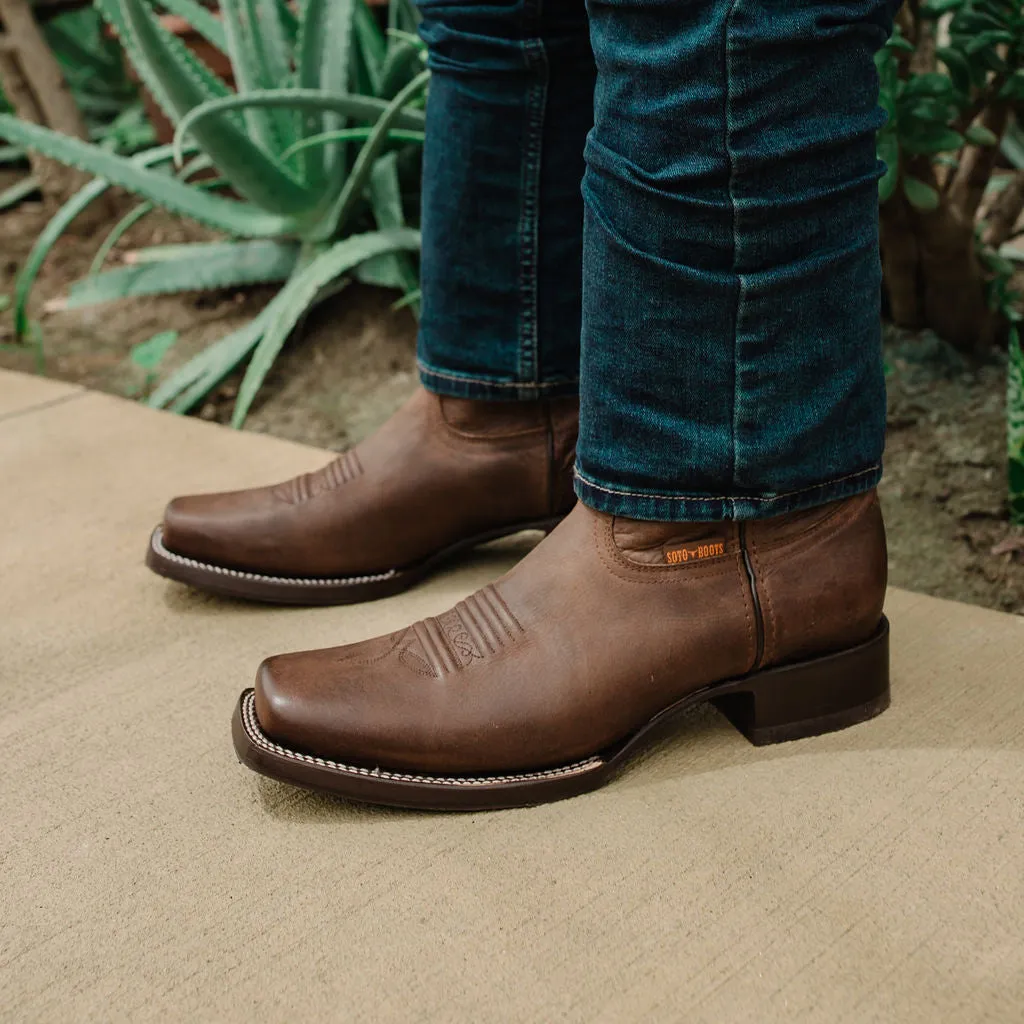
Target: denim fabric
730,362
511,101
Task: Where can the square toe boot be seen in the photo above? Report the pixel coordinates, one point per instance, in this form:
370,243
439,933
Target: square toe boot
440,476
542,684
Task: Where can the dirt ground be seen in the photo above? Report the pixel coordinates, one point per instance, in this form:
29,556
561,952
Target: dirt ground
945,478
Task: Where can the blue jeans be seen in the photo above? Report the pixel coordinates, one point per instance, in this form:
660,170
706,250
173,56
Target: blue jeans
712,292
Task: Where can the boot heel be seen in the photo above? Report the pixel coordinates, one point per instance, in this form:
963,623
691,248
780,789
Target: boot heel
812,697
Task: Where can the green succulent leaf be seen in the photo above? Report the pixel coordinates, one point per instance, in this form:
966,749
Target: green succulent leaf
392,270
229,356
979,135
371,150
1015,419
191,382
149,354
412,298
372,47
274,52
191,70
202,266
125,224
130,219
403,62
235,218
351,135
334,79
252,172
920,195
1012,146
20,190
359,108
61,220
302,291
200,18
958,67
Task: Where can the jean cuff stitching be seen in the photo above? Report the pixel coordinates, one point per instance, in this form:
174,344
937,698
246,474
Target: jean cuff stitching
467,379
724,497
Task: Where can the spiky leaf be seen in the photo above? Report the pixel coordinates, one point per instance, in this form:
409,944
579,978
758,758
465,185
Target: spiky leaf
235,218
204,266
200,18
371,150
302,291
360,108
252,172
186,385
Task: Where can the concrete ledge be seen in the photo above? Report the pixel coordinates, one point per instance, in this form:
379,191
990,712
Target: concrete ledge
876,874
21,393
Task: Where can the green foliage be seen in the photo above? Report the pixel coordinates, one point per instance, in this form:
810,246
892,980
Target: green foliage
95,73
326,102
1015,426
149,354
940,114
930,113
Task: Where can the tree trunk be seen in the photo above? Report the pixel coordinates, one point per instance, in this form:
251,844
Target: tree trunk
1005,212
967,188
901,264
35,86
954,284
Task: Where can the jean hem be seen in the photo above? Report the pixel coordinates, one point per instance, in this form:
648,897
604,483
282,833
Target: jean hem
461,385
681,508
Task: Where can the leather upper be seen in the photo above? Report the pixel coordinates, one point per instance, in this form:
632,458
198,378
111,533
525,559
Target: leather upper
439,471
607,622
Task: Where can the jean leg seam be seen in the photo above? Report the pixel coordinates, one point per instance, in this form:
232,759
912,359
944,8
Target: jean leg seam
535,58
734,215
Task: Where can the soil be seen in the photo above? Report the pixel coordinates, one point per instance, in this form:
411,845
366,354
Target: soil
944,488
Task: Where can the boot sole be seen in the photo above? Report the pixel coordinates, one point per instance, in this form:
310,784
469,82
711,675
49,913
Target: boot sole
313,590
807,698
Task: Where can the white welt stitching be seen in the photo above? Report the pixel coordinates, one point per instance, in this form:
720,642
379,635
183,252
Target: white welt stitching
298,581
256,734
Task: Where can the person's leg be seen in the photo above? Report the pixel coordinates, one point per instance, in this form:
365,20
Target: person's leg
732,181
729,546
488,448
510,105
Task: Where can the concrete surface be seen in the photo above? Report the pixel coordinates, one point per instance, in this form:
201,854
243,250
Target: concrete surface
872,875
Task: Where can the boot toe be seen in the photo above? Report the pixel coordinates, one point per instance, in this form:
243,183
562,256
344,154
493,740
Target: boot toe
231,530
297,703
186,525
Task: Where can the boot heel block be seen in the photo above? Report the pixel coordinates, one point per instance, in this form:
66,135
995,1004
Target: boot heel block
813,697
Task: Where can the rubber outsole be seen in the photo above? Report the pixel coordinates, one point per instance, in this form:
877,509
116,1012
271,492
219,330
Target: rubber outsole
225,581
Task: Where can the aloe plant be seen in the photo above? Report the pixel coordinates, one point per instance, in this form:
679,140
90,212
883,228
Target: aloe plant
327,112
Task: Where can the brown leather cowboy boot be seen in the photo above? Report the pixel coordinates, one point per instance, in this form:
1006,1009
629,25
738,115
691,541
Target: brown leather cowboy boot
540,685
440,476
